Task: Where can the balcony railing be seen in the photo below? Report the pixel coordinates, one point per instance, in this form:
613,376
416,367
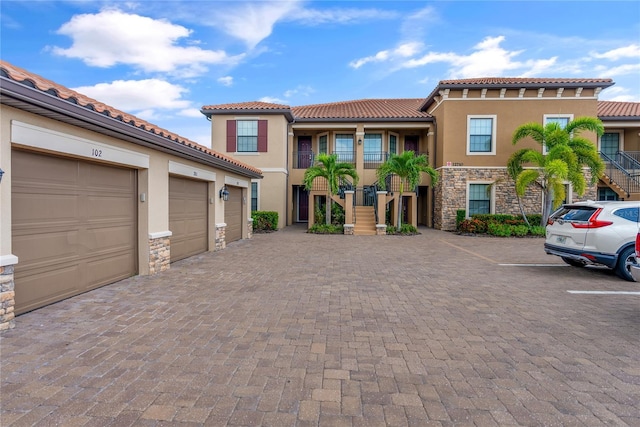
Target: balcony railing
346,156
303,159
372,160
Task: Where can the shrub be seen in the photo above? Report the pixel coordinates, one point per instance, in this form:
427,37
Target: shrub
473,225
264,220
325,229
460,216
408,229
337,214
537,230
497,229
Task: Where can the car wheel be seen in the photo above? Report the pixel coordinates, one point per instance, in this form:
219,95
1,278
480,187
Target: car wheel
625,260
573,262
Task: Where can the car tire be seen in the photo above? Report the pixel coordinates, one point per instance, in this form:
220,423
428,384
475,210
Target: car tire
625,259
573,262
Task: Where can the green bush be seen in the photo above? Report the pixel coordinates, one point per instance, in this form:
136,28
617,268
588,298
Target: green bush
460,216
325,229
264,220
473,225
498,229
337,214
537,230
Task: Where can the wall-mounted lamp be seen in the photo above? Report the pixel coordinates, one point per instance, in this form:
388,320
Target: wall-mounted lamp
1,173
359,141
224,193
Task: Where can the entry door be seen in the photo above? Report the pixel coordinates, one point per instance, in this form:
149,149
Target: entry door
411,143
304,152
303,205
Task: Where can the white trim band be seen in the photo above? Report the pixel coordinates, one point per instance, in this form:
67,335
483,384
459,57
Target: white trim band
8,260
160,234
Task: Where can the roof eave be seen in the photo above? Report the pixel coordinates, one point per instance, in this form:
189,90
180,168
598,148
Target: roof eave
364,119
619,118
211,112
72,113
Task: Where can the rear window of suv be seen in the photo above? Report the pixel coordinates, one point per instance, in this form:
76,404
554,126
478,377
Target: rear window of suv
574,213
630,214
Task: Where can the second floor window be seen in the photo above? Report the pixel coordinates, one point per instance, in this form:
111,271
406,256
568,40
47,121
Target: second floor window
481,135
393,144
247,135
322,144
610,144
344,147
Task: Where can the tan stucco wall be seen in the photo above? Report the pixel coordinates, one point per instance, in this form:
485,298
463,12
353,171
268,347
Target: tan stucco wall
153,213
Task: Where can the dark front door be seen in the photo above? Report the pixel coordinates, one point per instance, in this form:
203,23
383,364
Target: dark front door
303,205
411,143
304,152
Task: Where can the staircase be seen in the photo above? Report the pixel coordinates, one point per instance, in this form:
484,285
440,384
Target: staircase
365,224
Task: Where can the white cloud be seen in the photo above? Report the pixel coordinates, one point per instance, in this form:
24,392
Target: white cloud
340,16
113,37
620,70
226,81
252,22
191,112
631,51
404,50
140,97
272,100
300,90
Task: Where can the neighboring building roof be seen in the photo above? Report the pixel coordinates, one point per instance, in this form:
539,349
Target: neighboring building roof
253,107
126,123
615,110
364,109
513,82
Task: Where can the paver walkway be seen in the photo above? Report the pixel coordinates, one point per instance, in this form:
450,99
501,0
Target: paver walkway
290,329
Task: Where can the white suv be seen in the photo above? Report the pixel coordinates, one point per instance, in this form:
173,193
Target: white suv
601,233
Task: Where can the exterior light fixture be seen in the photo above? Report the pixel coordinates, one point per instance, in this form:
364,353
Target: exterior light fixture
359,141
1,173
224,193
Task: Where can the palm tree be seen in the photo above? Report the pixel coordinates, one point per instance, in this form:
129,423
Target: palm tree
567,154
328,167
408,167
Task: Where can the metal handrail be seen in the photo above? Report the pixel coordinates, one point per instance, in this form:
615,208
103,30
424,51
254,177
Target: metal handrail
619,175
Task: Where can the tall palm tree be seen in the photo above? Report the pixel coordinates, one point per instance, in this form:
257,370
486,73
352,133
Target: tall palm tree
328,167
567,154
409,168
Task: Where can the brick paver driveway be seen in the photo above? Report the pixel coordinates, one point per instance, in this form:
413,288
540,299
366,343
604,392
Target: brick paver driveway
297,329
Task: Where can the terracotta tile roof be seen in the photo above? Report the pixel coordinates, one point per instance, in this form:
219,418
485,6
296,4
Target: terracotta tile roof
22,76
483,81
619,110
402,108
240,106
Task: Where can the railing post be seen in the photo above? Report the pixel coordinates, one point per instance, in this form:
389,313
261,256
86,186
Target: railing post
381,226
348,212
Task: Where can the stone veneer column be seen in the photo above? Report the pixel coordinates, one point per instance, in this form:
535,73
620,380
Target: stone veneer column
249,228
7,298
159,254
221,241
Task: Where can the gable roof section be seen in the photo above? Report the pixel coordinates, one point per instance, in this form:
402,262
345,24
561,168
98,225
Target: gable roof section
614,110
398,109
254,107
513,82
25,90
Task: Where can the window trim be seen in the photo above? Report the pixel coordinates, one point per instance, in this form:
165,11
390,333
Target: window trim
492,196
353,147
620,139
494,126
238,121
397,136
553,116
257,182
320,135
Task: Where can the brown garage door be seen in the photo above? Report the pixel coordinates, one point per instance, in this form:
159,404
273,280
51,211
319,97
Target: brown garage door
233,215
73,227
187,217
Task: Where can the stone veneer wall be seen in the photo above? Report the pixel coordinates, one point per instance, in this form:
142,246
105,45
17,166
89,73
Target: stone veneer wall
451,194
221,237
159,254
249,228
7,298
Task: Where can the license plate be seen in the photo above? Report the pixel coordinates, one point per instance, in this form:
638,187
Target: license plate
561,239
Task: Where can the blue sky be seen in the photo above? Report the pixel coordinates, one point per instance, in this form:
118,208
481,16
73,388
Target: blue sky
163,60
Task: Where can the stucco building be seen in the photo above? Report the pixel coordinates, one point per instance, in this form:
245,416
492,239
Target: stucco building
465,128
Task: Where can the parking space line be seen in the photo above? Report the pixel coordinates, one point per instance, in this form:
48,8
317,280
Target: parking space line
470,252
605,292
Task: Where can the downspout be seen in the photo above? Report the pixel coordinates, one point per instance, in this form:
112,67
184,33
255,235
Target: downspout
286,194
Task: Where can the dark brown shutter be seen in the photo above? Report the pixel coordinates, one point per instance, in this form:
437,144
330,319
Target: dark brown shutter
262,136
231,136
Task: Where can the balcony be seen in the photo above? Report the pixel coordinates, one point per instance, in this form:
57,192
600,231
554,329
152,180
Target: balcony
373,159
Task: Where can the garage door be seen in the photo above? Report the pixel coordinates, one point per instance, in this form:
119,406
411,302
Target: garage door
233,214
73,227
187,217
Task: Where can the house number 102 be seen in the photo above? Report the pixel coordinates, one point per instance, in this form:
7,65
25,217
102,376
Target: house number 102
96,153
